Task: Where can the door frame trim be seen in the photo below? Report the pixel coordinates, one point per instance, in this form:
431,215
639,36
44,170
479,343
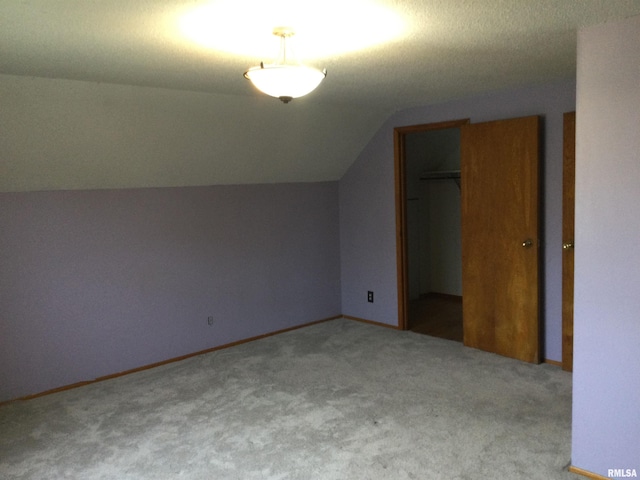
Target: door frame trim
399,153
568,210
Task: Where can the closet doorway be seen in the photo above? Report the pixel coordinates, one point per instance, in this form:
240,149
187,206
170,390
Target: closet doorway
432,214
500,231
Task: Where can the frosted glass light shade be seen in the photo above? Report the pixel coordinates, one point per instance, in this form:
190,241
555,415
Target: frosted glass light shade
285,81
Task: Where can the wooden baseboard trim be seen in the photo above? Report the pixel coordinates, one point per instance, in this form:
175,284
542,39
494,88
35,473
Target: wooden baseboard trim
165,362
553,362
587,473
371,322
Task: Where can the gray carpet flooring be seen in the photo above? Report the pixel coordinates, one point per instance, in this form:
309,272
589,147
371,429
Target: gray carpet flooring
337,400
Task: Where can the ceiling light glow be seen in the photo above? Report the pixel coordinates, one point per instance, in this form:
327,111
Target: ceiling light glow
333,27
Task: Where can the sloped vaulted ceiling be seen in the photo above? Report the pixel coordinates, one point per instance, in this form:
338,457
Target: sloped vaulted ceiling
119,93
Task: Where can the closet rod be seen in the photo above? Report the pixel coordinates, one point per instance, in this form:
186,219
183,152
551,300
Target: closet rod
443,175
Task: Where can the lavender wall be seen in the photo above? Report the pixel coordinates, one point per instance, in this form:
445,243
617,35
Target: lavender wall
367,211
97,282
606,406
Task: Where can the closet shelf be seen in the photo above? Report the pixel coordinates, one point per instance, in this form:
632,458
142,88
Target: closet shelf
441,175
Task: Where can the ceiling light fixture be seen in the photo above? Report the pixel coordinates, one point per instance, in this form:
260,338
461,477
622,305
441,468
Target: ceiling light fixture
285,79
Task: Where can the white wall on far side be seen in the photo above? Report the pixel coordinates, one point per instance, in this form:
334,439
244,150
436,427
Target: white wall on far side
433,213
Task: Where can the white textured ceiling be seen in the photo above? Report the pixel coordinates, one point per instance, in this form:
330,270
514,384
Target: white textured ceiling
450,48
447,49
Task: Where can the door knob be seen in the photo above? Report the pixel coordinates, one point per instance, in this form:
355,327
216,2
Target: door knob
527,243
567,246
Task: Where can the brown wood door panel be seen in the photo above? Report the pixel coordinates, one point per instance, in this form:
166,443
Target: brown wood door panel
568,220
500,210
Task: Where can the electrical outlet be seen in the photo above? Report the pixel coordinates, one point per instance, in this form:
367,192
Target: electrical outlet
210,321
370,296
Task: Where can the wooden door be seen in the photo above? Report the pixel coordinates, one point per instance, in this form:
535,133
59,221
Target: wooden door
568,220
500,237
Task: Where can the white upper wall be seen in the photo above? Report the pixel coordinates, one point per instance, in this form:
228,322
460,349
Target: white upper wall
66,134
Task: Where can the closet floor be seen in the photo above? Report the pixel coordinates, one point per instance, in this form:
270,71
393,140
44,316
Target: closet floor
437,315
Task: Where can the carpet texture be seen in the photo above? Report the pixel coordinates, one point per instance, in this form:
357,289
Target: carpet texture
337,400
